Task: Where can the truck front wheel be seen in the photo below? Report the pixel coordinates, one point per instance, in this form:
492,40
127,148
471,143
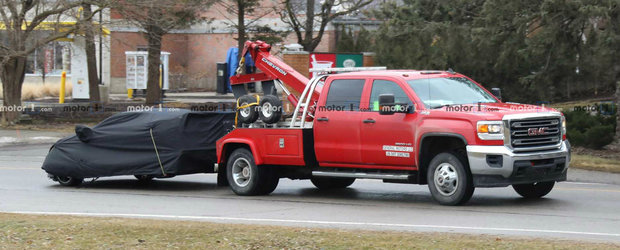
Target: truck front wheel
449,180
245,178
331,182
534,190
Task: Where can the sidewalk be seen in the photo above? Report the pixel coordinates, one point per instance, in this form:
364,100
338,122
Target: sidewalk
15,137
184,97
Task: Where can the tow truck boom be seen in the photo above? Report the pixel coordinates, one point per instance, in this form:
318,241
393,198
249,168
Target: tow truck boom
271,67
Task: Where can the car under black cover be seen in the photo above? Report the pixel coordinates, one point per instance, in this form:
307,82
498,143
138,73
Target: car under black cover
144,144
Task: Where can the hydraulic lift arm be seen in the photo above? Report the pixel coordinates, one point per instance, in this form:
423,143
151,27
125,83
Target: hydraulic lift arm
271,69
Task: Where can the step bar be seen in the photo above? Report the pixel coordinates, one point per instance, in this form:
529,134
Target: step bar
381,176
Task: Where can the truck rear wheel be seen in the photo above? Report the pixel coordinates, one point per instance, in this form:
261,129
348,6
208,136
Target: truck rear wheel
331,182
270,109
449,179
245,178
247,114
534,190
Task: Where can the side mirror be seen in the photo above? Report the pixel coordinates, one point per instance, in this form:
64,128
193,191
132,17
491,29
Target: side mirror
497,92
386,104
83,133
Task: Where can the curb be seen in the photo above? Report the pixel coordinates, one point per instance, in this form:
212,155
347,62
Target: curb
580,175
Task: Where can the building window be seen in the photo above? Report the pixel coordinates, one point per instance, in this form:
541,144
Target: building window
50,59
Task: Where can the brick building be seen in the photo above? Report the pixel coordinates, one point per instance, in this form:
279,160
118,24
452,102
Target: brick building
196,50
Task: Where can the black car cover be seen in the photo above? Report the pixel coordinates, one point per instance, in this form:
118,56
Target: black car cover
156,143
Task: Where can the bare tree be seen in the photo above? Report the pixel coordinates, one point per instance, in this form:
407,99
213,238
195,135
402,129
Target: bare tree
29,25
617,136
305,19
156,18
91,54
248,13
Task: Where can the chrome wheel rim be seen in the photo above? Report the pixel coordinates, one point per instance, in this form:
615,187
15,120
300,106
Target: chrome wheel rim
266,109
241,172
245,112
446,179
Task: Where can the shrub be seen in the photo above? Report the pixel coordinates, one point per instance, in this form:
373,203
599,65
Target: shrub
599,136
592,131
576,137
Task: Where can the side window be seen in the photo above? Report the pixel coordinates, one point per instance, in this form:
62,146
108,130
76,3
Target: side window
380,87
344,95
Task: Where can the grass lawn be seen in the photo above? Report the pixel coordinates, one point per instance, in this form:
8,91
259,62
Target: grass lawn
591,162
36,231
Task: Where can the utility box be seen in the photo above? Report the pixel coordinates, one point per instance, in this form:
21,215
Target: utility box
222,74
136,71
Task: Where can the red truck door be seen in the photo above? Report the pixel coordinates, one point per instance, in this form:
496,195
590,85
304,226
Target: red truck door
337,123
387,140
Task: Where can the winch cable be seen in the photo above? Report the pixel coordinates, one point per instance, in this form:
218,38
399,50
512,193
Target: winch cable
157,153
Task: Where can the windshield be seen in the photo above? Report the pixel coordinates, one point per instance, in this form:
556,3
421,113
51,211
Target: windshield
439,92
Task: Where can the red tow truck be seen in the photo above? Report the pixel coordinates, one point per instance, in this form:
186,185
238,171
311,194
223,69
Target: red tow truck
439,128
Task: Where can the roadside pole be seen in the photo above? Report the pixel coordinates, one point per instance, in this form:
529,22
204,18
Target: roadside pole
61,94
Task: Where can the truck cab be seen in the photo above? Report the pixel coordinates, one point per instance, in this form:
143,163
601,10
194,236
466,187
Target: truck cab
438,128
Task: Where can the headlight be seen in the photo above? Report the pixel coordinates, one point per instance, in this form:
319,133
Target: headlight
490,130
563,125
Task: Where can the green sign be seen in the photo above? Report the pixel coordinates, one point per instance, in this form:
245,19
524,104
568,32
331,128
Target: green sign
349,60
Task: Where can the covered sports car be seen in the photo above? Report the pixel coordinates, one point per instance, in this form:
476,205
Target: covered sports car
144,144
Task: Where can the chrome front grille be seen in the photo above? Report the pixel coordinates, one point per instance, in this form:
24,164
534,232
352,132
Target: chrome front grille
535,133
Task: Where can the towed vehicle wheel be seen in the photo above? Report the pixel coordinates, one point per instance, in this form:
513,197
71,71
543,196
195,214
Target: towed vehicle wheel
245,178
534,190
69,181
144,177
449,180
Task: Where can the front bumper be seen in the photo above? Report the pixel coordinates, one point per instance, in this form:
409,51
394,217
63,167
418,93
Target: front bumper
498,166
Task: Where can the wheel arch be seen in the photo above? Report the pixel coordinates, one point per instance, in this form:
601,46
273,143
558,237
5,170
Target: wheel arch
431,144
230,146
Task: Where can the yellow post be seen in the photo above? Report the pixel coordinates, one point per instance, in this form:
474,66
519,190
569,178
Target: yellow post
161,78
61,95
129,93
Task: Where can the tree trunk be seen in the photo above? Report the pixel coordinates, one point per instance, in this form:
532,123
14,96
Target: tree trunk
91,56
241,27
617,136
153,90
308,26
12,76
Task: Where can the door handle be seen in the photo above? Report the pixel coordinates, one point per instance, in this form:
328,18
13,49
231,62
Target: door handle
369,121
322,119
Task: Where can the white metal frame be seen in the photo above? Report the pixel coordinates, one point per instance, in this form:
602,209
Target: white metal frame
306,96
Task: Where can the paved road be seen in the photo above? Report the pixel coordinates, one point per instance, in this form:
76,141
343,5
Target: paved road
573,210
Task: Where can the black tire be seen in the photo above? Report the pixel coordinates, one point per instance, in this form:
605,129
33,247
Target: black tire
270,109
69,181
245,178
331,182
534,190
453,184
144,178
248,114
271,184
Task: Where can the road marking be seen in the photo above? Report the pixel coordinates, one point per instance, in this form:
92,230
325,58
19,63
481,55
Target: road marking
342,223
